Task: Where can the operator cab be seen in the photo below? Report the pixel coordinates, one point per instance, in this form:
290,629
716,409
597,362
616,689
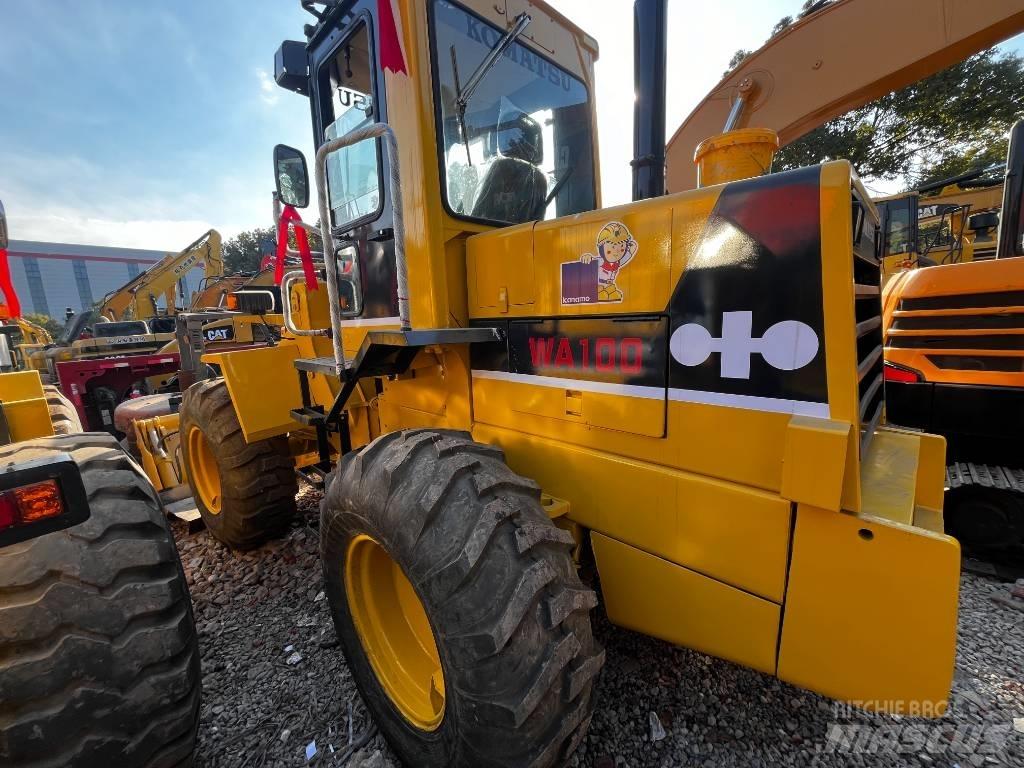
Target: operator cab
511,129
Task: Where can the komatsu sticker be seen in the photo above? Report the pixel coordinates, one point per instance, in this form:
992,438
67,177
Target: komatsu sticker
786,346
594,277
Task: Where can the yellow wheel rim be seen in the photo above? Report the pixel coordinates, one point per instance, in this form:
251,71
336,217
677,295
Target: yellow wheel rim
395,633
203,470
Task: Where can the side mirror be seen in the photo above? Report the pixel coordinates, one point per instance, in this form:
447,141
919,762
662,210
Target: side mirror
3,228
291,176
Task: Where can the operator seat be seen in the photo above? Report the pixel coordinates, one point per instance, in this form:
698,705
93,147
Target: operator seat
514,188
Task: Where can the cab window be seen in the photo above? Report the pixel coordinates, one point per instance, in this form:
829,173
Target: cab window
520,149
901,216
127,328
353,175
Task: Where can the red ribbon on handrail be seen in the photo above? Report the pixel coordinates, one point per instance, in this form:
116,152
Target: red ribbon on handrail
288,216
7,286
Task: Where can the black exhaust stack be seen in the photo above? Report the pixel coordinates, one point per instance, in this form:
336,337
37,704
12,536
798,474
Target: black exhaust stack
650,19
1011,215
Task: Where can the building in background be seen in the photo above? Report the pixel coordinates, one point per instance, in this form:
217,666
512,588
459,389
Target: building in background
50,277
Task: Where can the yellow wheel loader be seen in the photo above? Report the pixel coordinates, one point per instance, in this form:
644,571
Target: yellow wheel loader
99,660
501,382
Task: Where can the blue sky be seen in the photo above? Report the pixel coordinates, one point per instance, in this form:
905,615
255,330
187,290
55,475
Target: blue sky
143,124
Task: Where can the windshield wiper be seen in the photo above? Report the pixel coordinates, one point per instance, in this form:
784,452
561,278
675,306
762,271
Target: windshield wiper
462,97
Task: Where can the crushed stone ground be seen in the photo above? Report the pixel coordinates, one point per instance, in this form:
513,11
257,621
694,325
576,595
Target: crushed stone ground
275,680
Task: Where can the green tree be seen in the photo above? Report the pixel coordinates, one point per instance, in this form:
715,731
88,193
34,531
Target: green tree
781,24
736,60
52,326
244,251
943,125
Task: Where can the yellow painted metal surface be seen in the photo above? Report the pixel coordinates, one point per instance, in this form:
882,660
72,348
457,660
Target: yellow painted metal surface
494,285
20,385
734,155
814,457
24,405
264,388
957,280
395,633
871,612
159,447
203,471
650,595
889,473
536,289
732,533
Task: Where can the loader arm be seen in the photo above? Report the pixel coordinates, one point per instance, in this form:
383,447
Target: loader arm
808,74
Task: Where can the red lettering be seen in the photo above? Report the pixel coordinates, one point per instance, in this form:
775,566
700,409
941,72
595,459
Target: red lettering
604,352
540,351
563,356
632,347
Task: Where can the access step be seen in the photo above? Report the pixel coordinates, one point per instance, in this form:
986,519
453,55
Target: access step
324,365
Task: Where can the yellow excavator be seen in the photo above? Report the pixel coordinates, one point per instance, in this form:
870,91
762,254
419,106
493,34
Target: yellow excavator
139,298
954,333
947,222
32,338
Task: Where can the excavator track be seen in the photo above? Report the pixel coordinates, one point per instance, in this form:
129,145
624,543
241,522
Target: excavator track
985,511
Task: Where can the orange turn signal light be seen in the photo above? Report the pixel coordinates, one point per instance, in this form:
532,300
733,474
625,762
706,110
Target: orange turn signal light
30,504
231,301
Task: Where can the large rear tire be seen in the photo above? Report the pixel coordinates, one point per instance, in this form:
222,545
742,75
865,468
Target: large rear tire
99,662
245,492
63,415
463,620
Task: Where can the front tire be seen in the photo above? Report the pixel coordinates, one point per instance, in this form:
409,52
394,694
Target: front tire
434,528
63,416
99,662
245,492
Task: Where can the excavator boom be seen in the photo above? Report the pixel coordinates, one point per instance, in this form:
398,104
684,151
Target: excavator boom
809,73
137,299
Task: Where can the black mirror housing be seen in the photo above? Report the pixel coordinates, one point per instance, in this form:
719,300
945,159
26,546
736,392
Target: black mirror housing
291,67
291,176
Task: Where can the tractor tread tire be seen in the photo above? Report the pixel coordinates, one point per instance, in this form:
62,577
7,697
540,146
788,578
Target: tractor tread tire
63,415
99,660
257,480
510,615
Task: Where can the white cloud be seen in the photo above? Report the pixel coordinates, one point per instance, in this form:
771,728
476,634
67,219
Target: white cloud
269,92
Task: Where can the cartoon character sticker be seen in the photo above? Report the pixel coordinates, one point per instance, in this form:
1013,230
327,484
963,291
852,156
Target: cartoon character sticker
594,277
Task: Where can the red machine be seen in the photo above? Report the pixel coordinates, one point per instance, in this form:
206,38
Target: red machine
97,386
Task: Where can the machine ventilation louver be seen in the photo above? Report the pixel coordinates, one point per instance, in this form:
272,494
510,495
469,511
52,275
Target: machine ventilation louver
868,318
968,331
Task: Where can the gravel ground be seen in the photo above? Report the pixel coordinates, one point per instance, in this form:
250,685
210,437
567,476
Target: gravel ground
274,681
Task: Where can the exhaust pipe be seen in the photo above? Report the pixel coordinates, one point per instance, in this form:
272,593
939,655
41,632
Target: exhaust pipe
650,23
1011,215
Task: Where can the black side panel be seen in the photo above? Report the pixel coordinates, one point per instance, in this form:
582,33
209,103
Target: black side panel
759,265
980,424
617,351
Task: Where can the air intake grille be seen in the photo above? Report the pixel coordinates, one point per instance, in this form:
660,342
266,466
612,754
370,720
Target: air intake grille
868,317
